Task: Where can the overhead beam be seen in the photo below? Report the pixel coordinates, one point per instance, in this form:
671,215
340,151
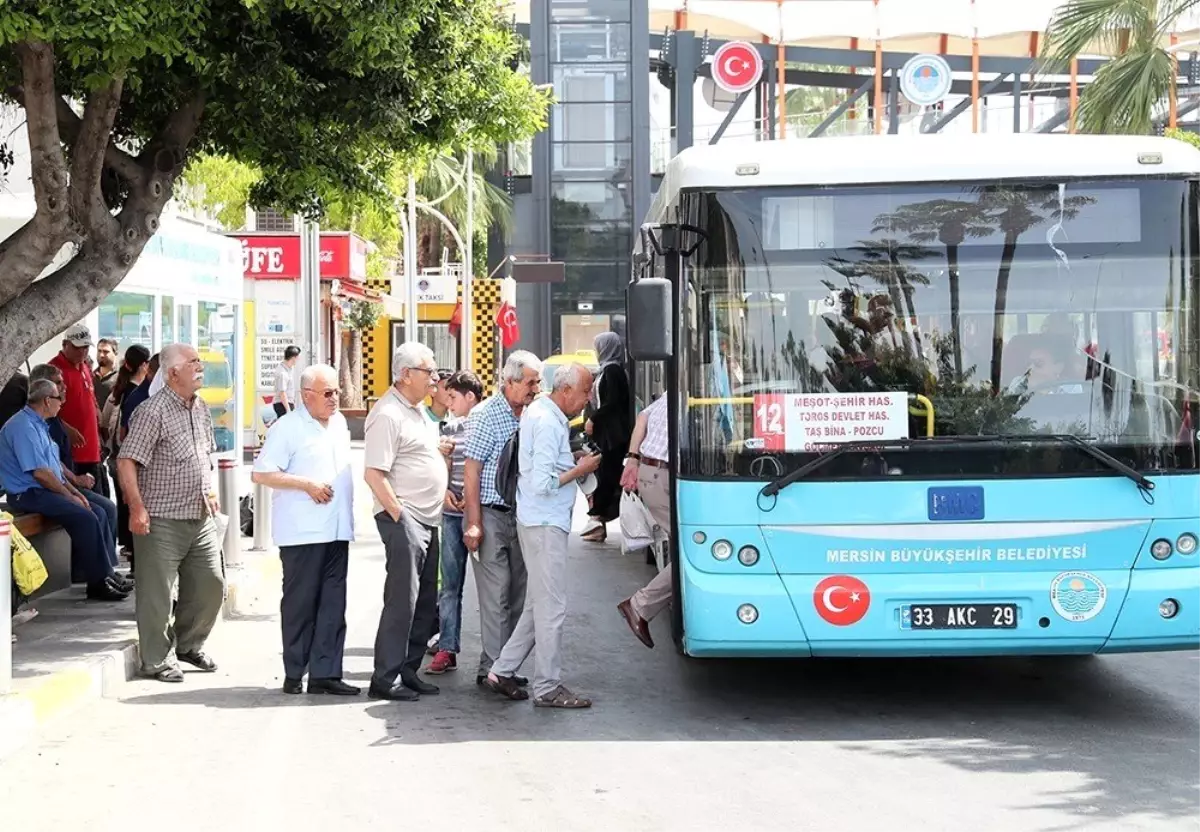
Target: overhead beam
962,106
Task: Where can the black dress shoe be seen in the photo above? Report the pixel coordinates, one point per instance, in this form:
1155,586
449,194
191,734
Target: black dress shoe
414,683
293,685
105,591
396,693
333,687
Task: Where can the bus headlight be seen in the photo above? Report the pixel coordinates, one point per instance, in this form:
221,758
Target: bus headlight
1185,544
1161,549
1168,608
699,537
748,555
747,613
722,550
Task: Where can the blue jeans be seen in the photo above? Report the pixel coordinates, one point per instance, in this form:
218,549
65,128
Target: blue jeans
93,541
454,574
99,501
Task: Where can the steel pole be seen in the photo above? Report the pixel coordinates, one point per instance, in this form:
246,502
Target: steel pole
262,515
410,264
6,610
468,277
227,494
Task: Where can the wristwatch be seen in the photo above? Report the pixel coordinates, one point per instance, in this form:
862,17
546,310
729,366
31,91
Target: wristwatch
634,456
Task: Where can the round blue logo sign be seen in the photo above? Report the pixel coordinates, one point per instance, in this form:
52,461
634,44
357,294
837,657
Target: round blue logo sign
1077,596
925,80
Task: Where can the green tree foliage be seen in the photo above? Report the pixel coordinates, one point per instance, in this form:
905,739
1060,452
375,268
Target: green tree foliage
320,97
1125,91
218,186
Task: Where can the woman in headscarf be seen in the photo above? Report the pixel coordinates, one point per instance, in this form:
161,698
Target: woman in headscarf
609,424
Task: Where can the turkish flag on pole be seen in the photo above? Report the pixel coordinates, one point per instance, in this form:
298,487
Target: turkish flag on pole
456,319
510,327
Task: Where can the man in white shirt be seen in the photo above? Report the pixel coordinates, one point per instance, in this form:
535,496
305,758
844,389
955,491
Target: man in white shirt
306,459
285,382
408,475
646,473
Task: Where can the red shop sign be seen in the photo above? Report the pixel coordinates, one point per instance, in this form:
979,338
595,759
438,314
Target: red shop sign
277,257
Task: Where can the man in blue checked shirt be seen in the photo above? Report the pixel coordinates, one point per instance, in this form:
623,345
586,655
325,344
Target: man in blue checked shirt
546,492
489,526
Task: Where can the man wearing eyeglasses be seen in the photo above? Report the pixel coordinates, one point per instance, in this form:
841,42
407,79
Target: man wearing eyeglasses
306,459
407,473
32,476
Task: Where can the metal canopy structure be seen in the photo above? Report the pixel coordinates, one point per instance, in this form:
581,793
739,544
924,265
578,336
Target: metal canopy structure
992,46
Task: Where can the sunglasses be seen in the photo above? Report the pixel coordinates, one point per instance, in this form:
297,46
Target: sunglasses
328,394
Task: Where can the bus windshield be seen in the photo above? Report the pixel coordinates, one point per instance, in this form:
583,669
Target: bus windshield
819,316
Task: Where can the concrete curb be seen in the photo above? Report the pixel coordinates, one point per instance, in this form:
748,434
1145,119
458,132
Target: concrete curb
24,713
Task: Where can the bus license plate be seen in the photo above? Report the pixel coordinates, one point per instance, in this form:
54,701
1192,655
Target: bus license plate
958,617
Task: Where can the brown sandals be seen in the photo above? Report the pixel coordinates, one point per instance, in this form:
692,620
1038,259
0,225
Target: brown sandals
506,686
560,697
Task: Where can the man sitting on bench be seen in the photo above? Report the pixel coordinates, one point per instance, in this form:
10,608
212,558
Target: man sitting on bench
32,476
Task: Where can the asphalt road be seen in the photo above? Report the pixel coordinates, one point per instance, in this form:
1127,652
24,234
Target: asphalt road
671,744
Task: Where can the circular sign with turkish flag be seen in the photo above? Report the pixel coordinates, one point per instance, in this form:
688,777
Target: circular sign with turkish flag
842,600
737,67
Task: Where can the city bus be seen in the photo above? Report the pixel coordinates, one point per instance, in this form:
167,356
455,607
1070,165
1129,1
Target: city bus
928,395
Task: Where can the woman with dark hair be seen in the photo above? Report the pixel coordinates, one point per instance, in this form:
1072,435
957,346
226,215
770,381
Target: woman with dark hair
131,373
609,424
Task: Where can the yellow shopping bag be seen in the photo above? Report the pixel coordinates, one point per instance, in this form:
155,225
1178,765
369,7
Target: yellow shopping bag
29,573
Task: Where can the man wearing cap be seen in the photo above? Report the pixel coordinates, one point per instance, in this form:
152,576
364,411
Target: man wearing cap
79,412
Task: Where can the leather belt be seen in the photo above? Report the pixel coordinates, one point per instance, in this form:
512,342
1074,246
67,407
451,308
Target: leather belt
653,463
497,507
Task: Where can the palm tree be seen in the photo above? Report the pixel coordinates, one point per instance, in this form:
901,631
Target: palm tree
950,222
1015,211
1126,89
441,175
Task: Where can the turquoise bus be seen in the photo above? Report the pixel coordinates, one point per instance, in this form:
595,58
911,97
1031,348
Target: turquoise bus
928,395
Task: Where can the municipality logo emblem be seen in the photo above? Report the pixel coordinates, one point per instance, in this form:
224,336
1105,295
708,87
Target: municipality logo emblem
1077,596
925,79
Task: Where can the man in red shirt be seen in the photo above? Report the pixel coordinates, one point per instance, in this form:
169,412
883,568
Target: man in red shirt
79,412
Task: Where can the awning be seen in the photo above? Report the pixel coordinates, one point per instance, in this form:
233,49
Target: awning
393,307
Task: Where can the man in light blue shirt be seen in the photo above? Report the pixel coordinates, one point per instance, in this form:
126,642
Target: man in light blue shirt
546,492
306,460
32,475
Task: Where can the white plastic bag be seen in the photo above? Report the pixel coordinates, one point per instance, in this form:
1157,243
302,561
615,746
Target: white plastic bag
638,530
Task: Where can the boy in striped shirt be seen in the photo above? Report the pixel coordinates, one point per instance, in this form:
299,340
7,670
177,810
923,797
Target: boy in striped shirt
465,391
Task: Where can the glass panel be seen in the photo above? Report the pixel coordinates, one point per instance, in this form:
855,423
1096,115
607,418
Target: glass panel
589,42
615,10
591,82
127,317
435,336
186,313
584,160
594,200
1036,310
166,320
217,325
598,242
602,284
585,122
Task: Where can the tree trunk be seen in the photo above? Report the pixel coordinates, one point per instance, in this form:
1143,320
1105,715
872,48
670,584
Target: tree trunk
955,310
345,376
1006,260
356,368
71,207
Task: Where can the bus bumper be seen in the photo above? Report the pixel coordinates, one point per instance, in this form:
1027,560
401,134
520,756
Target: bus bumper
785,620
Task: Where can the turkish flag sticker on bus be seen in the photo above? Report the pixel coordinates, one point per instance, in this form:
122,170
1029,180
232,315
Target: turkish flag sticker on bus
815,422
842,600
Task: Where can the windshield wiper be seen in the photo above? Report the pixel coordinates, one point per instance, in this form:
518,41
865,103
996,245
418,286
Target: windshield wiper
954,442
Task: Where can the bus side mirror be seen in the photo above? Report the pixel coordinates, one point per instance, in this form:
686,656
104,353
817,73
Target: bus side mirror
649,312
